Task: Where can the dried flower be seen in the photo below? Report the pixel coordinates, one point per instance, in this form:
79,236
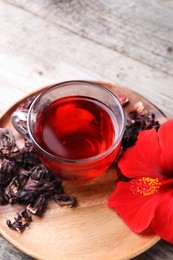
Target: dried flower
6,172
23,179
22,221
23,215
123,99
3,196
29,157
138,118
7,143
41,173
17,225
140,109
38,206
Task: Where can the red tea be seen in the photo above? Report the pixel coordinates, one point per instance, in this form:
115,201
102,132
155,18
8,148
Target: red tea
75,127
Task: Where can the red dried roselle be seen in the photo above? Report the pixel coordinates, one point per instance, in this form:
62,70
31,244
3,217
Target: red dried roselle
8,144
4,198
138,118
24,180
123,99
20,196
23,215
17,225
41,173
38,206
8,166
16,184
29,157
31,185
42,187
22,221
140,108
7,169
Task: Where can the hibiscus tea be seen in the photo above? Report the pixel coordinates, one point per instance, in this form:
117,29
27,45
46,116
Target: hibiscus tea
75,127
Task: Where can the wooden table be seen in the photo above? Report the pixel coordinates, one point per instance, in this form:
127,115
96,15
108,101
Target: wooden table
128,43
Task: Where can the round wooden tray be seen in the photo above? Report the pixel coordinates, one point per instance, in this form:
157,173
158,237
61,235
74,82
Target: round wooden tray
89,230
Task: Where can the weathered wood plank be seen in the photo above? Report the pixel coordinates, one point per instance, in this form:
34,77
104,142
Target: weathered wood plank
44,53
142,30
9,252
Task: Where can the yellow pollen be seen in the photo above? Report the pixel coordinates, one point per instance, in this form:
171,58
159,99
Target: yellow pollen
145,186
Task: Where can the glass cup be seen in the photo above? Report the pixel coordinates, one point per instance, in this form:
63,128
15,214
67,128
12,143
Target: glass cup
76,128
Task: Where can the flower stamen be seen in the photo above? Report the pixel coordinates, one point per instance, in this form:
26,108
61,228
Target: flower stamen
145,186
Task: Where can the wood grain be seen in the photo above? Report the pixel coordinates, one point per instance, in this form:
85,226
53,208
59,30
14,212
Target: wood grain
89,230
140,29
39,51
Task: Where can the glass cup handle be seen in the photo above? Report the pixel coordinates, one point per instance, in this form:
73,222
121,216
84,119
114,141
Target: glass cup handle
19,119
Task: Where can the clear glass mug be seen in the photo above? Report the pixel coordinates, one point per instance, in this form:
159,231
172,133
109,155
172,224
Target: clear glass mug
76,128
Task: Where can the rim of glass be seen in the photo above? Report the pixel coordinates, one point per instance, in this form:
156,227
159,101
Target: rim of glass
85,160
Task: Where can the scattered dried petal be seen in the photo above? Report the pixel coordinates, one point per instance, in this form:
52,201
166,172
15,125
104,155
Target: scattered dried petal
29,157
7,142
3,196
137,119
140,108
23,179
37,208
22,221
23,215
17,225
123,99
31,185
41,173
6,172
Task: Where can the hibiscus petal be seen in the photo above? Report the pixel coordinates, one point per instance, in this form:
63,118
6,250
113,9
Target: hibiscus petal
144,158
162,224
136,210
165,135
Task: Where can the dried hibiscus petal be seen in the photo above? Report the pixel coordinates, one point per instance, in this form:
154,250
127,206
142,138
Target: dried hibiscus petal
15,185
123,99
17,225
20,196
138,118
6,172
23,215
140,108
7,142
22,221
29,157
23,179
4,199
41,173
38,206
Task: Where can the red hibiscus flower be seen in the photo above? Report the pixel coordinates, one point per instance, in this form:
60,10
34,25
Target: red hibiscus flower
147,199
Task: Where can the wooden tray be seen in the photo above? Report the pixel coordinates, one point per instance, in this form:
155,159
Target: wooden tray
89,230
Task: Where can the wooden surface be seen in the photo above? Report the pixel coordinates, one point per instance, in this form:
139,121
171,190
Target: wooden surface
129,43
77,231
